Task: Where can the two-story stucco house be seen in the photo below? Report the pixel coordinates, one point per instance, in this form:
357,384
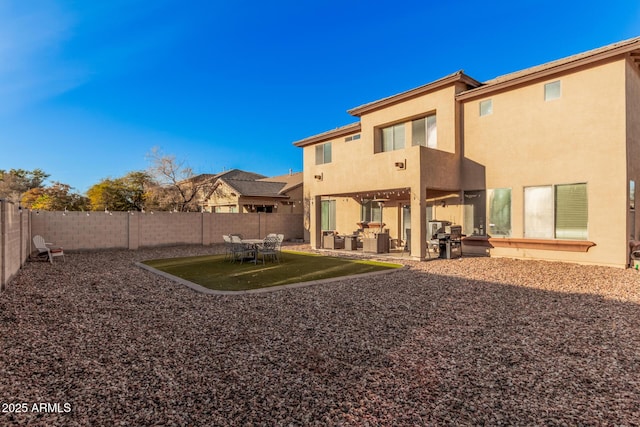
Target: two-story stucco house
541,163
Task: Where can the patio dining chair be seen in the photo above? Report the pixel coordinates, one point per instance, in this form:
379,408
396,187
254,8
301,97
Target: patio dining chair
268,248
228,247
46,248
240,251
279,246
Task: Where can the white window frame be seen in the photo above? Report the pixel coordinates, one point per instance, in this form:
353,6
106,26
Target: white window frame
552,90
486,107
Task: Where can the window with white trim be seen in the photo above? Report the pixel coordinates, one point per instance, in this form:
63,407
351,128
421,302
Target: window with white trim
552,91
486,107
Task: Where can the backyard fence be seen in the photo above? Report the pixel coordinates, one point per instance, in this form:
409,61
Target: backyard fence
75,231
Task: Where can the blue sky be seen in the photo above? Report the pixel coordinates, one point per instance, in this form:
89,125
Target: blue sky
88,88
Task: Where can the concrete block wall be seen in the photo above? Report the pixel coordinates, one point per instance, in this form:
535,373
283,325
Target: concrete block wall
255,225
77,230
122,230
97,230
14,246
165,228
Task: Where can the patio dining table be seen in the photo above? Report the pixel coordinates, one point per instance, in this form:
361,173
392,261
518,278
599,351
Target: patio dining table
254,244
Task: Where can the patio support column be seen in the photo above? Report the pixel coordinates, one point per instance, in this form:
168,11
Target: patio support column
315,222
419,221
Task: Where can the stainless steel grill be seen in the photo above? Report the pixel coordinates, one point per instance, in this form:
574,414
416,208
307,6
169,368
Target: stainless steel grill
449,241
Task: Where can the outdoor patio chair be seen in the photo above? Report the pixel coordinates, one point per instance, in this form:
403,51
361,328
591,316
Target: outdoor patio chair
46,248
268,248
228,247
240,250
279,246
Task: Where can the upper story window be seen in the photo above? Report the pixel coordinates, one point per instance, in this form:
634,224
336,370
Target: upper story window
352,138
552,91
424,132
392,137
323,153
486,107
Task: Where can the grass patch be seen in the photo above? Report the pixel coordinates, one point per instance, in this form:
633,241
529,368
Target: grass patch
213,272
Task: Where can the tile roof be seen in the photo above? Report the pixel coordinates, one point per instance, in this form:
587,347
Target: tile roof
251,184
291,180
256,188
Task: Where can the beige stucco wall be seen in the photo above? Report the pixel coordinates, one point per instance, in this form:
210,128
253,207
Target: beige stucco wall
356,167
590,135
633,142
579,138
223,197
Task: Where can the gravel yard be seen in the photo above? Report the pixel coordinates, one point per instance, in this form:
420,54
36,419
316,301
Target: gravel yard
447,342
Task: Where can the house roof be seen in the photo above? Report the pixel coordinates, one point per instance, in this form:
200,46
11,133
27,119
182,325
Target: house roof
250,184
291,181
476,88
458,76
239,174
630,46
256,188
326,136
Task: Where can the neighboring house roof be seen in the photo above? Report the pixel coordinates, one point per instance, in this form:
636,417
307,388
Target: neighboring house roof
631,46
248,184
291,181
239,174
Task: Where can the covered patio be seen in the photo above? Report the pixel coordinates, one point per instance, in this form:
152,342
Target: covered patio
383,222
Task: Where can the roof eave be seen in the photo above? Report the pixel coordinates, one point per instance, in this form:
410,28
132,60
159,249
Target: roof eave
458,76
326,136
553,68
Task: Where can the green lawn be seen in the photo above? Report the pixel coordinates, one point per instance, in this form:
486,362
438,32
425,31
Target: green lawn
213,272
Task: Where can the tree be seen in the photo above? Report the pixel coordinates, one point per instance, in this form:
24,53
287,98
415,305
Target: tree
15,182
129,192
56,197
180,188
